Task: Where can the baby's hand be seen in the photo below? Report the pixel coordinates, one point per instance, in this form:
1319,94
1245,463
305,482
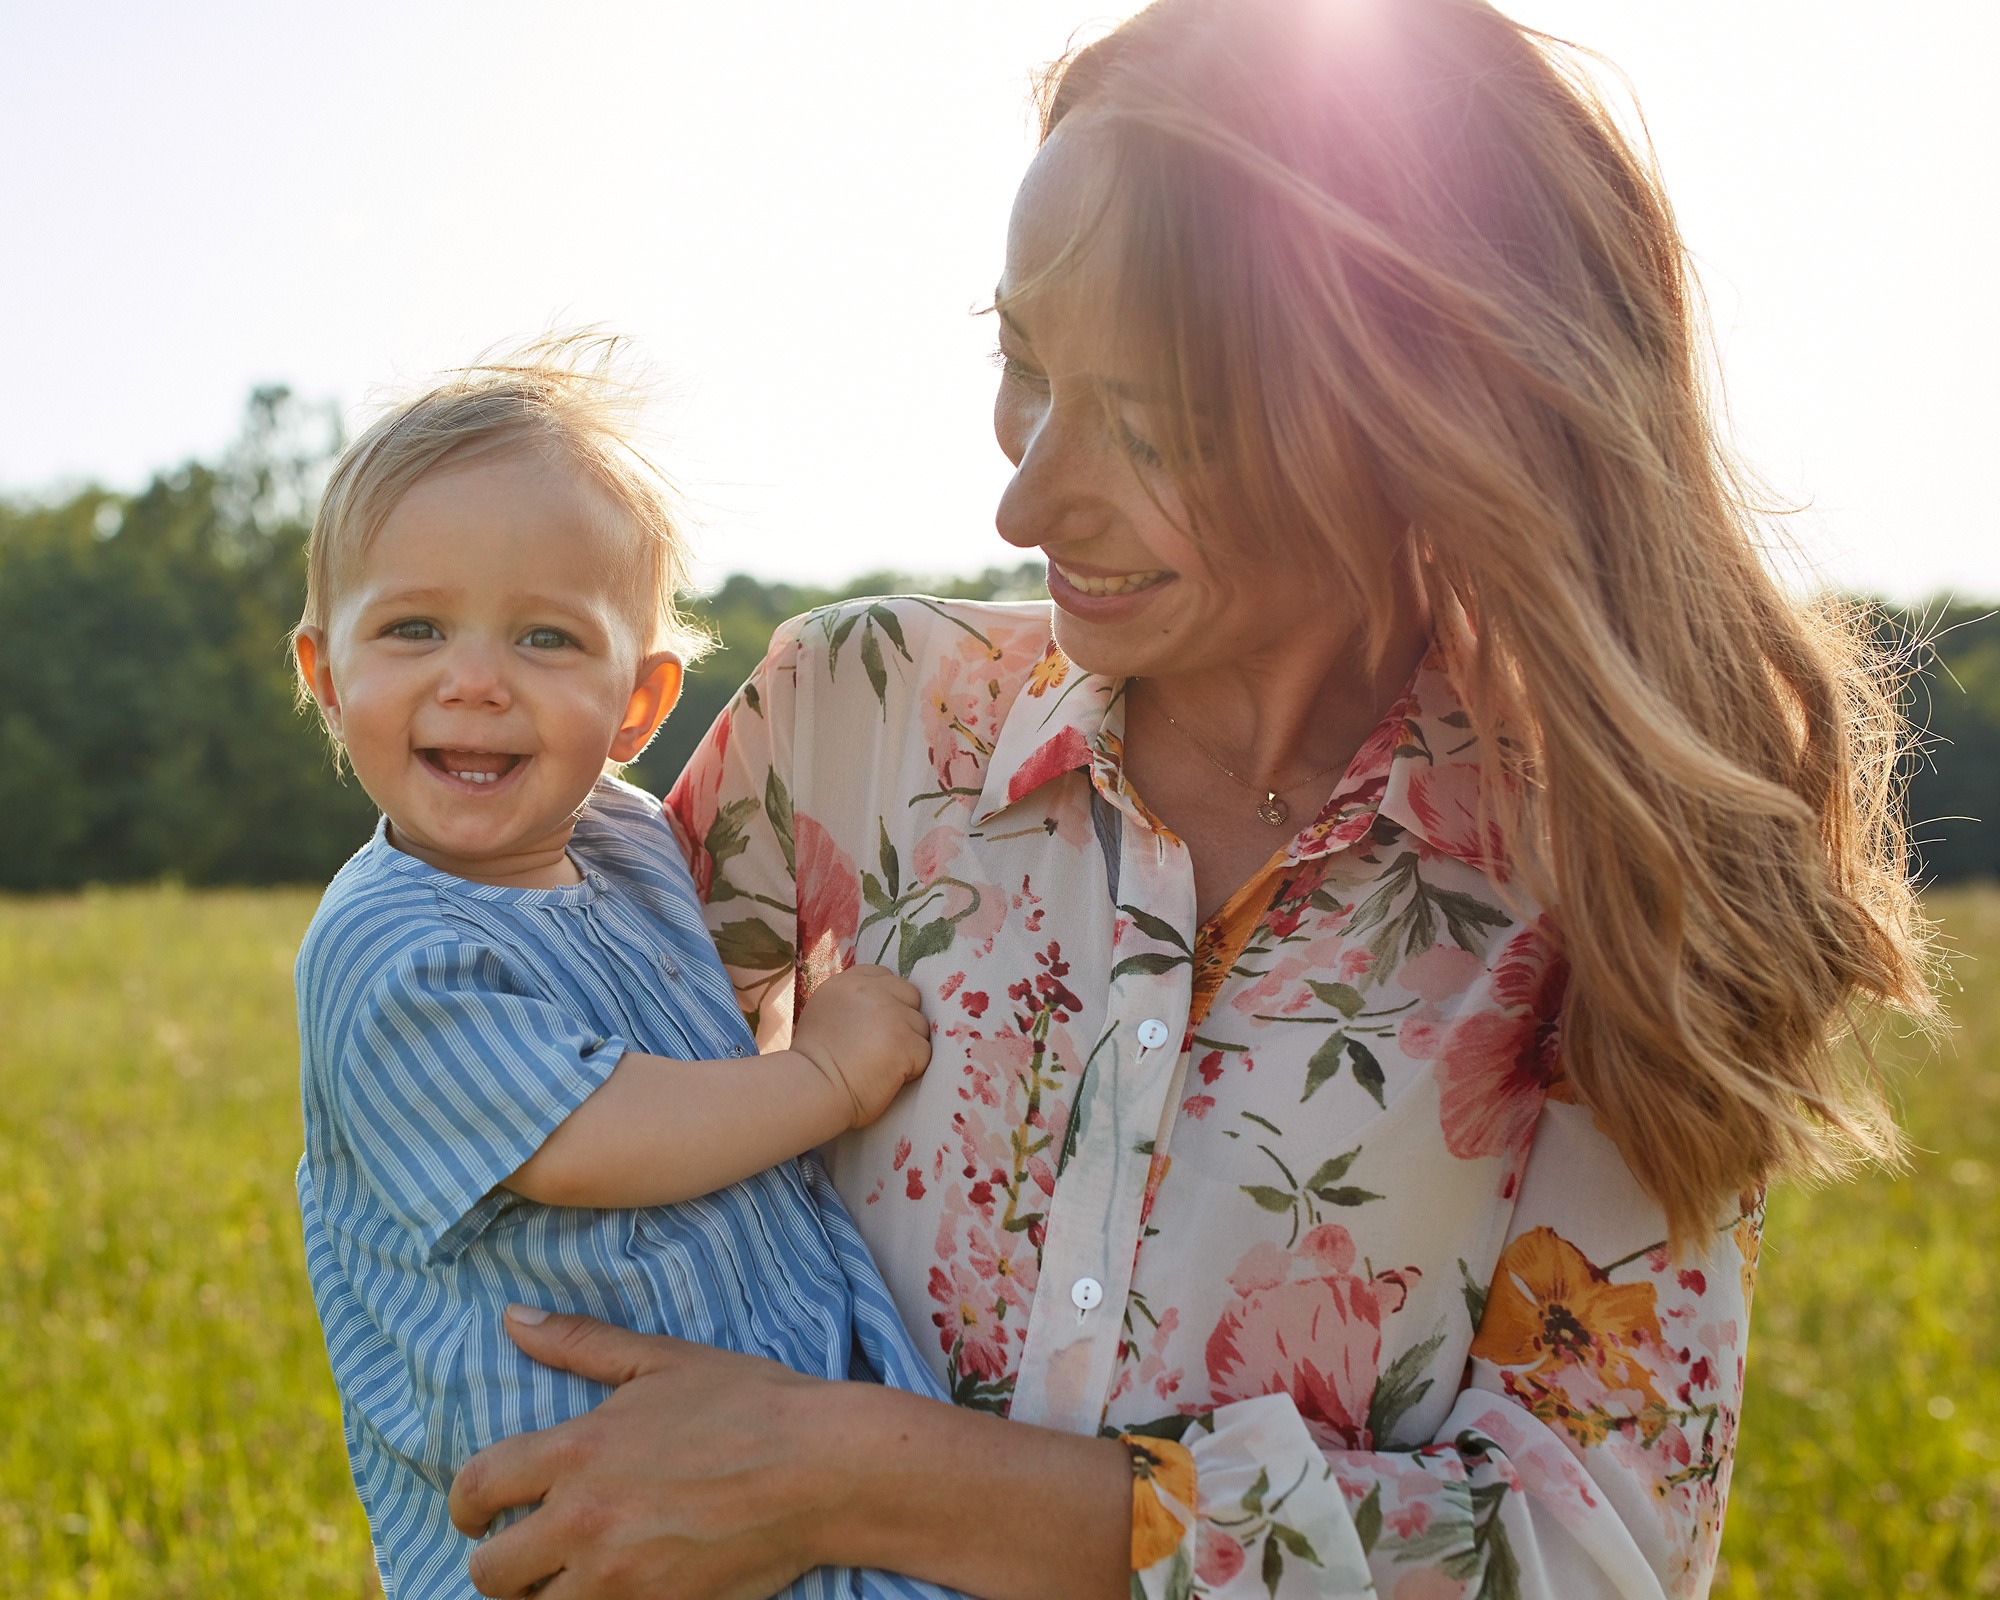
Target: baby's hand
863,1028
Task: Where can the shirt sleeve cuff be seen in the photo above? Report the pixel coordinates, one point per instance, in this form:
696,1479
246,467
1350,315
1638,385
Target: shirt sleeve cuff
1269,1520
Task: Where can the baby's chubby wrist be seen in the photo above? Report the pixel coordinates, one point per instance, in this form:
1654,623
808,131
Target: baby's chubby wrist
820,1084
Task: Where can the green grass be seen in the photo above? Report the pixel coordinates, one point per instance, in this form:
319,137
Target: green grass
167,1426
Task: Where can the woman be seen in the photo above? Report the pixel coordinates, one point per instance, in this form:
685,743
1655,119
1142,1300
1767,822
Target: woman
1382,928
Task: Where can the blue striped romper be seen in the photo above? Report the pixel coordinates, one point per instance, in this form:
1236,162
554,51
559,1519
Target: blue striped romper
446,1029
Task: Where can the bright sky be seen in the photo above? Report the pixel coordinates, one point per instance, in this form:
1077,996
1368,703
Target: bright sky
795,205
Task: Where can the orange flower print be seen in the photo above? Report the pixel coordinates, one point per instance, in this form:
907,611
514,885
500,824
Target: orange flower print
1573,1340
1047,673
1159,1467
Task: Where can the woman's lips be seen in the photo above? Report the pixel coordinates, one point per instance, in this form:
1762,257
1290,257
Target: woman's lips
474,771
1103,597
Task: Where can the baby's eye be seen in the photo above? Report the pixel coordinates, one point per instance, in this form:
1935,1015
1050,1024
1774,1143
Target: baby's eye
545,639
414,628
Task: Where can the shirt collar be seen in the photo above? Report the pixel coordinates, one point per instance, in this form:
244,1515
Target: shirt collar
1419,768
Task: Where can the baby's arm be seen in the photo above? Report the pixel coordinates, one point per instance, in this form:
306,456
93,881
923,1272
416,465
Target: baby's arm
659,1131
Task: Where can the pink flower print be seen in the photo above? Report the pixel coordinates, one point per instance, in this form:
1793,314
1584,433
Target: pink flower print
1410,1520
1065,752
1497,1065
934,853
1308,1327
959,710
969,1318
1444,800
692,803
829,902
1218,1557
1443,972
1003,1266
1197,1106
1420,1033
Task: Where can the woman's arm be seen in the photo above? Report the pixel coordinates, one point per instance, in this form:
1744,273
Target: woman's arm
720,1475
659,1131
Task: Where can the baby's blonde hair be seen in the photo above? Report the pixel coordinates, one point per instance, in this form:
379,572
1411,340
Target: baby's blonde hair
559,396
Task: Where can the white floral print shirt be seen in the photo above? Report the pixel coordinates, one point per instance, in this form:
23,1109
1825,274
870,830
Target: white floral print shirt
1380,1310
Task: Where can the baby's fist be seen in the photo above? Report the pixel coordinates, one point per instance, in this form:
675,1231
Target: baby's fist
865,1030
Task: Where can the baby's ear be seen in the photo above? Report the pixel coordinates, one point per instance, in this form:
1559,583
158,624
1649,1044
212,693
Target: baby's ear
316,675
657,687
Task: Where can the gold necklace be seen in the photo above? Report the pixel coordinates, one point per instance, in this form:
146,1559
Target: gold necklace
1271,808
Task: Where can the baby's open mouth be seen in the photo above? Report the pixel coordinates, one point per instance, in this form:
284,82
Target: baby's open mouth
472,766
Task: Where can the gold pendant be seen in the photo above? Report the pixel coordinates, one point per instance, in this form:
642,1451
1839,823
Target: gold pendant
1273,810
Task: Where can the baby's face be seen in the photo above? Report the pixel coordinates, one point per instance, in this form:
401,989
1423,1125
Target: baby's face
484,661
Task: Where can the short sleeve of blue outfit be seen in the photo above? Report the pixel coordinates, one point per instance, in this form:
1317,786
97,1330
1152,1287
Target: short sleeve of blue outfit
447,1029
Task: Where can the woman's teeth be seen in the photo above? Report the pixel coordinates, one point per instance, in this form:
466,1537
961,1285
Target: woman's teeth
478,777
1123,583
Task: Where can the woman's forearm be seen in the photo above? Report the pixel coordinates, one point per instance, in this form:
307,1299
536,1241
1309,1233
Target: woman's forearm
659,1131
1001,1510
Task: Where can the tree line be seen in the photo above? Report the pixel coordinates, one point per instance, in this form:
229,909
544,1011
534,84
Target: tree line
149,726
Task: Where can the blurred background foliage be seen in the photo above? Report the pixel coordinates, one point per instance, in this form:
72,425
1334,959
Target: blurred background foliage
148,727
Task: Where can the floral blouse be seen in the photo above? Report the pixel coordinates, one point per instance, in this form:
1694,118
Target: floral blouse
1297,1202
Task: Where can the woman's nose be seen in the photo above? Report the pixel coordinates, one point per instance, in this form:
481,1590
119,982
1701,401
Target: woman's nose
1052,494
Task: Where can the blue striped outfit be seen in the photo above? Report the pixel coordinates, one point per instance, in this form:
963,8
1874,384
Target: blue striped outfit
446,1029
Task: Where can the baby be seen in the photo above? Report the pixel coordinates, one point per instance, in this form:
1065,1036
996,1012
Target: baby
525,1074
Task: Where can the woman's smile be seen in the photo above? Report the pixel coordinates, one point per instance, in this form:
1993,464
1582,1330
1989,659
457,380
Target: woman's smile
1103,596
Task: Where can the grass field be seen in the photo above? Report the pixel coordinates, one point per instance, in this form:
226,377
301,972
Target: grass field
167,1427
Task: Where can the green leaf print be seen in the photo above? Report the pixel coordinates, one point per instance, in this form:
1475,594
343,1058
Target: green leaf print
1368,1519
1367,1070
1399,1388
1475,1295
1343,997
1269,1198
916,942
1323,1065
778,807
1274,1567
1333,1169
885,852
871,663
837,636
753,946
1152,963
1156,928
888,622
1346,1195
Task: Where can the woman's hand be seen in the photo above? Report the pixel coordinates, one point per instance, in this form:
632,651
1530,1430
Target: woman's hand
715,1476
681,1482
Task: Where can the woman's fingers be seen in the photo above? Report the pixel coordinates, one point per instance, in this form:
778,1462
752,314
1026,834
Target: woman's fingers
517,1558
589,1348
515,1471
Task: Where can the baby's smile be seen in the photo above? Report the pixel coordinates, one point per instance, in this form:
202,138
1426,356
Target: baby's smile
475,769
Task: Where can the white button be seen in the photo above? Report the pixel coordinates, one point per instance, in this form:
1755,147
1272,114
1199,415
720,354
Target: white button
1152,1033
1086,1293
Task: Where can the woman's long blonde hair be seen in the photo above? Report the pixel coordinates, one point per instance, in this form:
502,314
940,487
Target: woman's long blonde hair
1396,268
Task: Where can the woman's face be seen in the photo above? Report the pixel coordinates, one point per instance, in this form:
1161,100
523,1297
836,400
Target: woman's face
1136,593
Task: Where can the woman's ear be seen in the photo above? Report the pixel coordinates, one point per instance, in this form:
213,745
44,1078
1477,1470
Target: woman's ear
316,673
653,695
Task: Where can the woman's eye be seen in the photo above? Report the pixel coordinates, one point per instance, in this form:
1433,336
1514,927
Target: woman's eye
414,628
544,639
1014,370
1135,446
